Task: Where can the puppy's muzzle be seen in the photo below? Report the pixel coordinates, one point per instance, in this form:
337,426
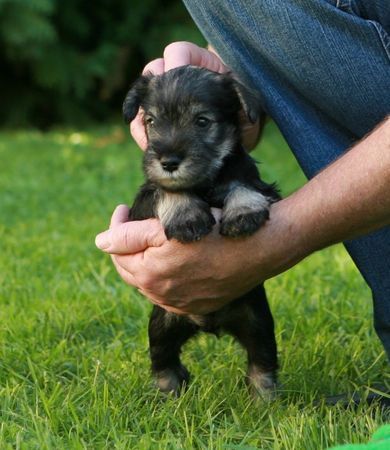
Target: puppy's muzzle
170,163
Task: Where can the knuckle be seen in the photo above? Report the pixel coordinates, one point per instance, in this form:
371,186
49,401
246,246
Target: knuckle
174,47
127,238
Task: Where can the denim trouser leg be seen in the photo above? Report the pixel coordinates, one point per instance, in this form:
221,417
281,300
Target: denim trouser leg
322,68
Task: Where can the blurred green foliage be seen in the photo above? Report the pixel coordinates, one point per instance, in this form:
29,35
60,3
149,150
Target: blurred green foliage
72,61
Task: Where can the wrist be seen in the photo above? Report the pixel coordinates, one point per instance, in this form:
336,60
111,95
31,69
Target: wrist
283,241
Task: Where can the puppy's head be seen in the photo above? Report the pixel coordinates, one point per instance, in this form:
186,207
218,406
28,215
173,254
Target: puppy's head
191,121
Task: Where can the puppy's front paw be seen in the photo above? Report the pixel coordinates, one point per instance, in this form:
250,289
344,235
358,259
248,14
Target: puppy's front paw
184,217
243,224
190,225
244,212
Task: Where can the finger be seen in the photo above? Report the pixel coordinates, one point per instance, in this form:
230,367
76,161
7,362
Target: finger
131,237
183,53
137,130
119,216
162,303
156,67
168,308
250,133
211,61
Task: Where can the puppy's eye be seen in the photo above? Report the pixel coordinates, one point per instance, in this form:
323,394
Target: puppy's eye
149,121
202,122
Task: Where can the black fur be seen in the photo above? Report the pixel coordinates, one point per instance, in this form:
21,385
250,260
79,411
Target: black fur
195,161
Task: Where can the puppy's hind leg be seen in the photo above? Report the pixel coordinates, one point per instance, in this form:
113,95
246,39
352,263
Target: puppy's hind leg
252,324
167,333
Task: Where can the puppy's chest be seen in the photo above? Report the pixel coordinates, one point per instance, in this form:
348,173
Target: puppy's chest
214,196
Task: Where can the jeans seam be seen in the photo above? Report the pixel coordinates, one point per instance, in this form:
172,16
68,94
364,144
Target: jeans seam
344,5
383,36
347,6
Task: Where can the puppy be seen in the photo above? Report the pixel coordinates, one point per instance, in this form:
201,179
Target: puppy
195,161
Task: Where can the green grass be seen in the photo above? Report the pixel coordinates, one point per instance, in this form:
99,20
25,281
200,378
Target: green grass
74,367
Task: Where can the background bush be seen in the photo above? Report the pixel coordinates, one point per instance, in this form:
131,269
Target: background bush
72,61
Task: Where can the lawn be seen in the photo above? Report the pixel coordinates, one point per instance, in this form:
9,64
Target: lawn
74,366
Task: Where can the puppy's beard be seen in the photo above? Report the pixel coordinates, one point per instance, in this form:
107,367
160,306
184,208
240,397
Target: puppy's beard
182,178
194,171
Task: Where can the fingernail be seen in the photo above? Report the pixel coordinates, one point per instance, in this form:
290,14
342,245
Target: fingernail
103,240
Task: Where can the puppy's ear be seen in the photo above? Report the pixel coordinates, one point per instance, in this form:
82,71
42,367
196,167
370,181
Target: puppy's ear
135,96
250,101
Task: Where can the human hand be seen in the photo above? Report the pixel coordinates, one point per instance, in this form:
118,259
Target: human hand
183,53
195,278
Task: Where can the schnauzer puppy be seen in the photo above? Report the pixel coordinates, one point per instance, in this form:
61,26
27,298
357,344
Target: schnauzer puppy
195,161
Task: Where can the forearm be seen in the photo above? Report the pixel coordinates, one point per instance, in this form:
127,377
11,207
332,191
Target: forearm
351,197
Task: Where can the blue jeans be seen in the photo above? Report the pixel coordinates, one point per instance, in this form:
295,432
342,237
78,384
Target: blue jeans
322,68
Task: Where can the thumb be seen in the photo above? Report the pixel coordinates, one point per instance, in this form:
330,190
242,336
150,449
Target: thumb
130,237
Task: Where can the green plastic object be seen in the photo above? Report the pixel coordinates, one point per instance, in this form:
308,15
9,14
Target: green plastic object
380,441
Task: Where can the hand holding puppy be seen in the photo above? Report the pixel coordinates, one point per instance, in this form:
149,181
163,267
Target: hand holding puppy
189,278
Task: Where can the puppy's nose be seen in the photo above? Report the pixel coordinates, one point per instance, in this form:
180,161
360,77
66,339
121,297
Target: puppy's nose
170,163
